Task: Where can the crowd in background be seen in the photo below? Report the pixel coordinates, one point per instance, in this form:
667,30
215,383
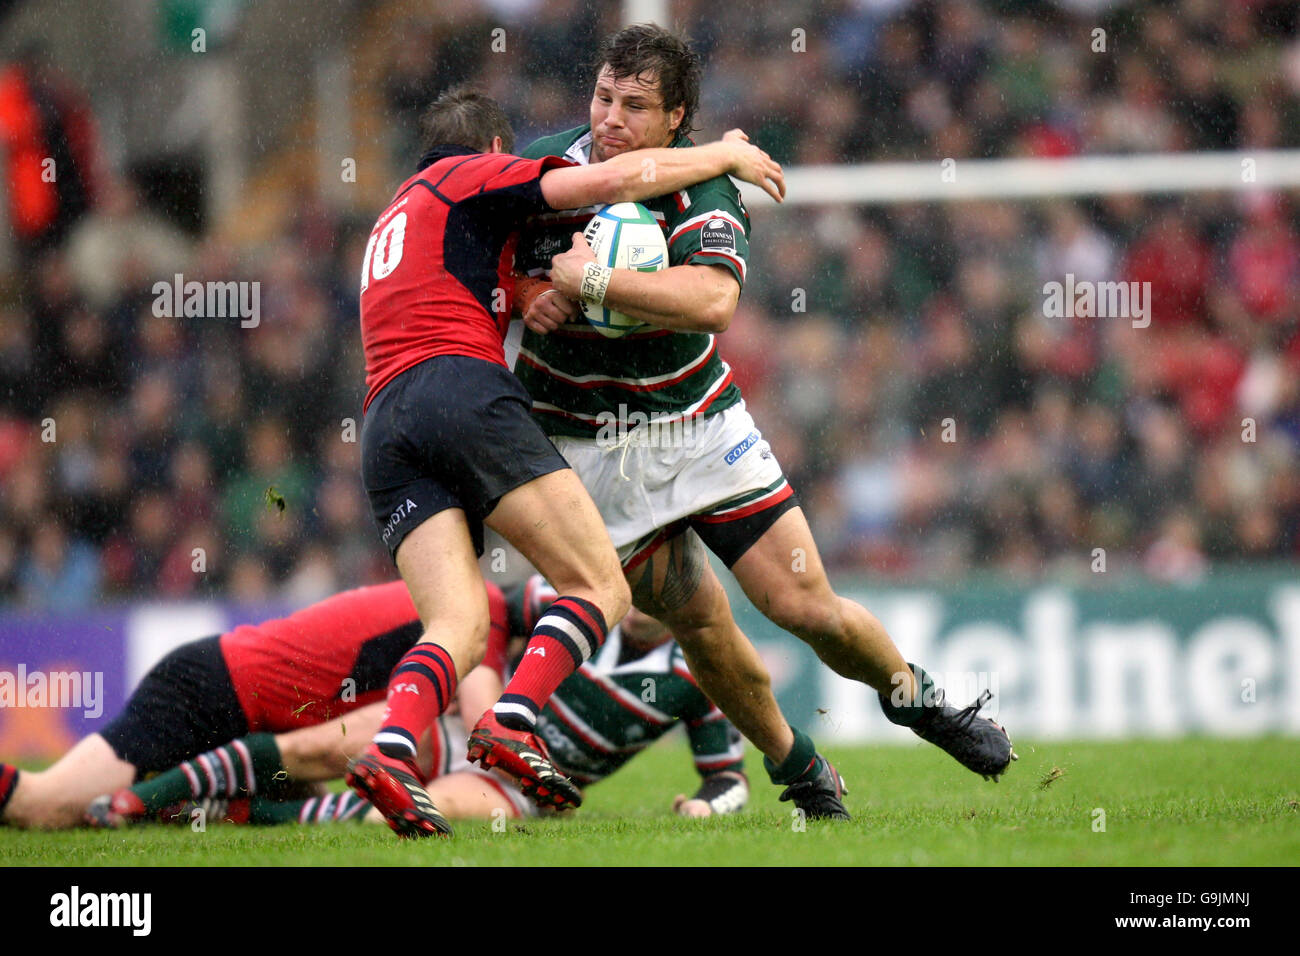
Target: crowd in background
934,415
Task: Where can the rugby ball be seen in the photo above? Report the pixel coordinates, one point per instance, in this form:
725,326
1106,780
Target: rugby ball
624,235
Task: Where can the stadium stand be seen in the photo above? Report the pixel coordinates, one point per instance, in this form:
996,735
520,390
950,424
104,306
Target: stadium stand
171,430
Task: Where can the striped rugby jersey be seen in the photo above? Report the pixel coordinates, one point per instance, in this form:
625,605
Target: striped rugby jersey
575,374
605,713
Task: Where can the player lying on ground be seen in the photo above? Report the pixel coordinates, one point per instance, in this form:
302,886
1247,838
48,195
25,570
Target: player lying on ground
293,673
267,687
448,444
635,690
721,485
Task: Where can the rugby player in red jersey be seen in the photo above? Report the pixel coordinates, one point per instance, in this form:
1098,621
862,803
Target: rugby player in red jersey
248,708
448,442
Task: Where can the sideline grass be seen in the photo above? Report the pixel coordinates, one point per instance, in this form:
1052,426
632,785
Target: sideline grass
1177,803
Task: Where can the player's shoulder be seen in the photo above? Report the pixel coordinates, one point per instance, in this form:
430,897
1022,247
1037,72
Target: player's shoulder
557,144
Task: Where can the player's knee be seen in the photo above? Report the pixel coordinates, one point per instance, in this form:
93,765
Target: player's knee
303,750
814,619
620,601
612,594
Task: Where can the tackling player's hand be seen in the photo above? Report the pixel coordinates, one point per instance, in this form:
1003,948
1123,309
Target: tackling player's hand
691,807
754,166
566,268
542,307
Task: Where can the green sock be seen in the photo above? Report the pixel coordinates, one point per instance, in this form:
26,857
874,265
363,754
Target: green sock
245,767
909,714
802,758
336,807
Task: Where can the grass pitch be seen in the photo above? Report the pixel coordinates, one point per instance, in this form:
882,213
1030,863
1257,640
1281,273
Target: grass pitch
1165,803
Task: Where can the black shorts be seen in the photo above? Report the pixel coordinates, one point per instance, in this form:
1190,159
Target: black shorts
451,432
729,540
184,706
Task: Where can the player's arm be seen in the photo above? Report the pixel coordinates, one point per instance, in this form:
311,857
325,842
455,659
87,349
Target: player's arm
646,173
707,251
684,298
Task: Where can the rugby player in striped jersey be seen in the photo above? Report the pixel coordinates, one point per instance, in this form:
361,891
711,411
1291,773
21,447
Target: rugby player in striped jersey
697,471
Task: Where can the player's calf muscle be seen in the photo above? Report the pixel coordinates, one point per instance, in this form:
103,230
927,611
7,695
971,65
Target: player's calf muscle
798,597
437,562
844,635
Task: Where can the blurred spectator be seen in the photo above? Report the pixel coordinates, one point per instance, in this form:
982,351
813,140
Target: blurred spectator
120,246
859,331
51,152
58,573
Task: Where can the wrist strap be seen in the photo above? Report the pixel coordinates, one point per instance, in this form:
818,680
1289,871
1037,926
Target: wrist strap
595,280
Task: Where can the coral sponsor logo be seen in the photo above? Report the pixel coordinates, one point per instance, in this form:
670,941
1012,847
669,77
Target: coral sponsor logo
745,445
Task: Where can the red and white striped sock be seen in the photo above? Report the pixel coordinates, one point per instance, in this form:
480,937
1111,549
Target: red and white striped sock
569,632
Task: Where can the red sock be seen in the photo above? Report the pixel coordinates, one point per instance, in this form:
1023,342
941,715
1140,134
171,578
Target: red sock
419,691
569,632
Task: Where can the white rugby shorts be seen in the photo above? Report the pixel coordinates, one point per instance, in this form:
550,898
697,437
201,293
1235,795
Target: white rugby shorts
647,478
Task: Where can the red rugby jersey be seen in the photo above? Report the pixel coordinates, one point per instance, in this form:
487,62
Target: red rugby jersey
291,672
437,278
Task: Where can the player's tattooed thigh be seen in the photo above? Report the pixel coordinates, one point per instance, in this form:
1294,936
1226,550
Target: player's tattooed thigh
681,562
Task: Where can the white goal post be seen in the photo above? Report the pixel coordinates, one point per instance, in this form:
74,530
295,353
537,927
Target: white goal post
966,179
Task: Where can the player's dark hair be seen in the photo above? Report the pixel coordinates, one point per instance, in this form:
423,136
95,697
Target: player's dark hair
463,116
646,51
